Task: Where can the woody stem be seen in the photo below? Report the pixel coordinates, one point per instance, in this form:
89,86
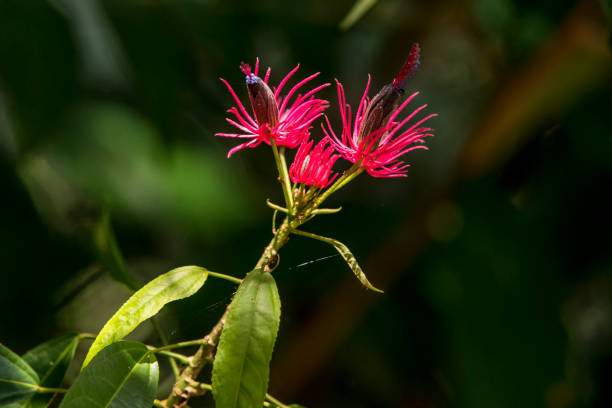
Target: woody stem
206,352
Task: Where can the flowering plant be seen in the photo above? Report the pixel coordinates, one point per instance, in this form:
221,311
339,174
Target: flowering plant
239,347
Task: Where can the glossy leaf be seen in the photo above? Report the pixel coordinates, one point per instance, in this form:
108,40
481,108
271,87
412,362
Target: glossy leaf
17,379
123,375
177,284
352,263
241,367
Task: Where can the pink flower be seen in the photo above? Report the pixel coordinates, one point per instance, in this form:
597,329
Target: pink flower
375,139
274,116
313,168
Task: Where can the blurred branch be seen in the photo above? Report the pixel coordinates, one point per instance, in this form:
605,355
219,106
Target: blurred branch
575,61
358,11
8,140
103,59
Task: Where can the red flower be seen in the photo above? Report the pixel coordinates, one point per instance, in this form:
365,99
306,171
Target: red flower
313,168
273,115
375,139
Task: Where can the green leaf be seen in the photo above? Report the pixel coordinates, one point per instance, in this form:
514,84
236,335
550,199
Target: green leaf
346,254
50,361
124,374
241,367
177,284
109,253
352,263
17,379
296,406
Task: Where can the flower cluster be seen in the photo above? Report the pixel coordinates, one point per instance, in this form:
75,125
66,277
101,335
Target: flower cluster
313,168
274,118
374,139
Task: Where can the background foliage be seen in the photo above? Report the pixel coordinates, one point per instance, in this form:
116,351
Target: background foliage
495,253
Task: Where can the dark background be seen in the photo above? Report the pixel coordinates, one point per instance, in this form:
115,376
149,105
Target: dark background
495,253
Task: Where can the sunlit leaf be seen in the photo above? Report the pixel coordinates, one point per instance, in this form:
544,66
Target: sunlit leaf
241,367
50,361
123,375
17,379
177,284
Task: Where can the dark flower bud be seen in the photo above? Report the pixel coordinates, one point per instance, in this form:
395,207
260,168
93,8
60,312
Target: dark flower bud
262,98
379,110
387,100
410,67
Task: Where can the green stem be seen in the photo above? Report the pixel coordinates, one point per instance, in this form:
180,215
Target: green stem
314,236
275,401
53,390
281,165
164,340
226,277
174,356
188,343
276,207
286,179
350,174
274,221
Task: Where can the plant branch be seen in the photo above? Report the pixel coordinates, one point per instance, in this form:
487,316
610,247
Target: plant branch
270,400
181,392
183,389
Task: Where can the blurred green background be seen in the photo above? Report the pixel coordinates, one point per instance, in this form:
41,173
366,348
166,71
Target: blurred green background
495,253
